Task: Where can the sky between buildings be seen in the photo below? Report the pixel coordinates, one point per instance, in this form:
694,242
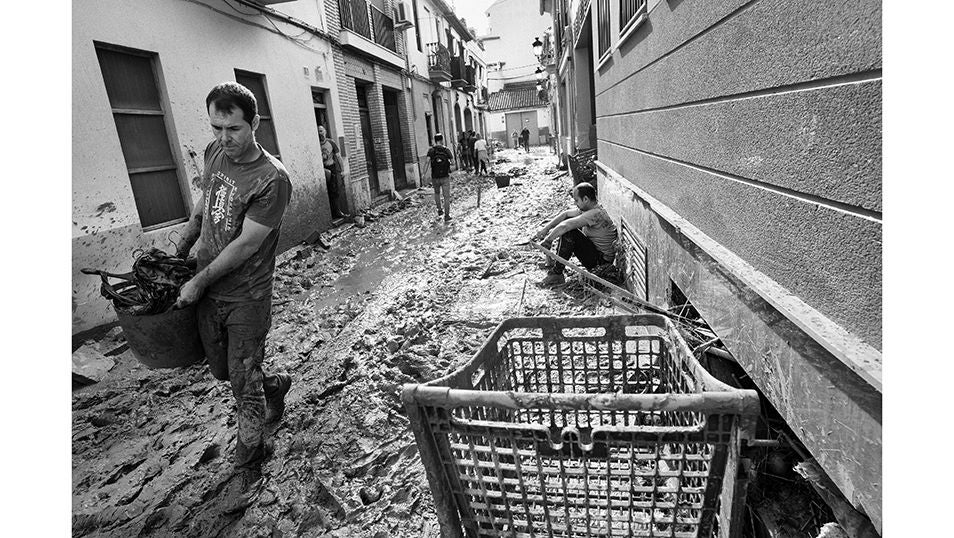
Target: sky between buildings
473,11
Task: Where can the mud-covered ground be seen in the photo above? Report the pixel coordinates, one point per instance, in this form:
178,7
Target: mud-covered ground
405,299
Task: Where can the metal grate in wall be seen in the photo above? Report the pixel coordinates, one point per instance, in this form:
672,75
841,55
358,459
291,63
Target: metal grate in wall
633,261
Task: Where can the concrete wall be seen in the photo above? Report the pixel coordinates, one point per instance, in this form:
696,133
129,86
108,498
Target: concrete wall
773,147
198,46
514,24
750,133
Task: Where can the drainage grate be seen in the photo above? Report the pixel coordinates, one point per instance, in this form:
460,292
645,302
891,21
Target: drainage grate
633,261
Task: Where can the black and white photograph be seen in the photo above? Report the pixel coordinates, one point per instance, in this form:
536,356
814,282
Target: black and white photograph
478,268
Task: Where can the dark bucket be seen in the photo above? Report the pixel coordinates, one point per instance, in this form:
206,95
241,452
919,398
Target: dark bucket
502,181
167,340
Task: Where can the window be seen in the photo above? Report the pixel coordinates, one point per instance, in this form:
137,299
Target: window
603,27
417,26
134,96
631,13
265,135
321,109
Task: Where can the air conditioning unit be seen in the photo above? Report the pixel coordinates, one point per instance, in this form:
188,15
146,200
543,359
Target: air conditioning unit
402,16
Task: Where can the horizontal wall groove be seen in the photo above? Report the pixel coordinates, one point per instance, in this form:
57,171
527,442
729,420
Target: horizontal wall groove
860,212
861,77
682,45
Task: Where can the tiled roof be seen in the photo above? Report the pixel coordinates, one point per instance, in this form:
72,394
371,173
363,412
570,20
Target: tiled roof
509,99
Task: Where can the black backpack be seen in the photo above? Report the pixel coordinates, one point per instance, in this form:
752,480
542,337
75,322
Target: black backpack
440,162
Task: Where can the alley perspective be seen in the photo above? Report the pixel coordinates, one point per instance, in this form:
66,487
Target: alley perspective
418,268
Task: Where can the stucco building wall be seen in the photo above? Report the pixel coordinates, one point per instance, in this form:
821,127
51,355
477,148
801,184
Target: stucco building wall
742,142
772,148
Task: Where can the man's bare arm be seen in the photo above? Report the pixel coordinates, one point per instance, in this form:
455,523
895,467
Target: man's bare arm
550,228
190,233
233,255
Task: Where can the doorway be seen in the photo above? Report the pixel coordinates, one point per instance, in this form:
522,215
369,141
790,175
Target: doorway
337,201
516,121
367,139
395,140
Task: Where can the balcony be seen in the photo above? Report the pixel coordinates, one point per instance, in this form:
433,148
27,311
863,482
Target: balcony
469,83
462,75
367,29
383,27
438,62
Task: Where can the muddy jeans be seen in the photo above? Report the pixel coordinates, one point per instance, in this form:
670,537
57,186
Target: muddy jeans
442,184
233,336
574,242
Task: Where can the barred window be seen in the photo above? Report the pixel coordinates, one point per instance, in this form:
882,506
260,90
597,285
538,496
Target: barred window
603,26
629,13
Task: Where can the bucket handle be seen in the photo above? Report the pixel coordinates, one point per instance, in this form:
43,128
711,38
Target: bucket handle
107,288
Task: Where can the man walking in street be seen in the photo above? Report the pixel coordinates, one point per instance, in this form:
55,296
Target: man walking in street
236,223
482,158
586,231
438,160
331,161
525,139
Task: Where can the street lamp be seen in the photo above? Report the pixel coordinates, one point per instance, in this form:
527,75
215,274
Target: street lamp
537,47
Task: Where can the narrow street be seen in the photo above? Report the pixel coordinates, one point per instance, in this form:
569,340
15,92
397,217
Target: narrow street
405,299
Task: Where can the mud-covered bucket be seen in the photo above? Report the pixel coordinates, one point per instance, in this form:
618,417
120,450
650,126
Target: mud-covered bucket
167,340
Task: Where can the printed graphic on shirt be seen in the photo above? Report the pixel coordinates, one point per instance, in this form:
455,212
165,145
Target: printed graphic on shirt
220,200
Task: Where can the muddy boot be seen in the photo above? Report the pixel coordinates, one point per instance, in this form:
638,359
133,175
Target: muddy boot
275,404
551,280
241,490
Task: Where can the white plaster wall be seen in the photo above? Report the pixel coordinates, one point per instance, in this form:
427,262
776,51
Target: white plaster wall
516,23
197,48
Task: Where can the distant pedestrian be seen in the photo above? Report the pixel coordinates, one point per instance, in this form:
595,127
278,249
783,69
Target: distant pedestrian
331,160
483,158
462,151
438,160
471,154
235,227
525,139
515,137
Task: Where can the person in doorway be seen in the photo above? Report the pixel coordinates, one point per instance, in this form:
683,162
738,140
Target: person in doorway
515,136
462,151
471,153
235,226
483,158
331,160
586,231
438,160
525,139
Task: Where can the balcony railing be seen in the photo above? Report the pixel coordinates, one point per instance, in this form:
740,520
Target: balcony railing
469,80
438,62
383,29
367,21
354,16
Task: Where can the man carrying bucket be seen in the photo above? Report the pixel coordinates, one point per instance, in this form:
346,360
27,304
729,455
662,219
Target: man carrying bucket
236,223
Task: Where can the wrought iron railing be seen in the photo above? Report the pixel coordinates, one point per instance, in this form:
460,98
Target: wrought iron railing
628,11
354,16
383,29
438,57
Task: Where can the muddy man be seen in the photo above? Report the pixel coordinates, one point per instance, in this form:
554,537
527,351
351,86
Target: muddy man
235,227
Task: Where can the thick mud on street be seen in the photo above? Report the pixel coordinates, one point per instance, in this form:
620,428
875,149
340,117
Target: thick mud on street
405,299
